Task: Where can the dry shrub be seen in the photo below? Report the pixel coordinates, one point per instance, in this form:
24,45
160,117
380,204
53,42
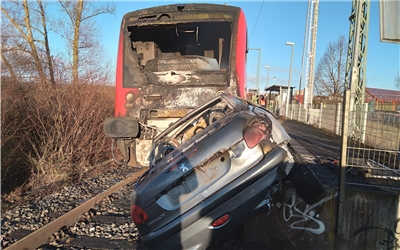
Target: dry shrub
14,129
65,131
68,137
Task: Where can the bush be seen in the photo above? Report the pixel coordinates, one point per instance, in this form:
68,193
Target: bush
14,130
60,130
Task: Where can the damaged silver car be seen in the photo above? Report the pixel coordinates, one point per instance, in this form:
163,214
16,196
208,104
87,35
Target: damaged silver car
211,171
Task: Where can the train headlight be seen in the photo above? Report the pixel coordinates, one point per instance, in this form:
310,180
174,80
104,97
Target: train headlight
130,97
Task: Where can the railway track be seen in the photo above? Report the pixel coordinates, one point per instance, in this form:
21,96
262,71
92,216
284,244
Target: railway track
91,224
99,221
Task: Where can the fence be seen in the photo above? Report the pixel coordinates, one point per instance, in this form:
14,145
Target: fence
373,141
370,159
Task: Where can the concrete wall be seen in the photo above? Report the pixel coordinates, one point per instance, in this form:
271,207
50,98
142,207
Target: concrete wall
371,220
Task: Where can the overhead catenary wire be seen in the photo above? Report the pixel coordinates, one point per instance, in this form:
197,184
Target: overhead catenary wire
255,24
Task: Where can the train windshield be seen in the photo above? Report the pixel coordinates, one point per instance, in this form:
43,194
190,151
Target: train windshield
180,53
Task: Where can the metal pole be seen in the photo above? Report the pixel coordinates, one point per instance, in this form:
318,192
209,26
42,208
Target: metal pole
267,67
267,101
315,3
254,87
280,102
343,162
290,79
258,70
302,62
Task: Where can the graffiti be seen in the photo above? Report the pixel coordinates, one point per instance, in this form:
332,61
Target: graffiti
303,217
391,241
183,167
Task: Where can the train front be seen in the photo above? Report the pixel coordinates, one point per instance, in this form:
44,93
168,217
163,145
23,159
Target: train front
171,60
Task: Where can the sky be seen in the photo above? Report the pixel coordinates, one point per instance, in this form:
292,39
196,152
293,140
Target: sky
273,23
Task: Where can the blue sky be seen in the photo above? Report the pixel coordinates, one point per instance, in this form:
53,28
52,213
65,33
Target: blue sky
279,22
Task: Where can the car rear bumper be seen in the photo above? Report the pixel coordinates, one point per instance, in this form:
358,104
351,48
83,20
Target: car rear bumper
258,184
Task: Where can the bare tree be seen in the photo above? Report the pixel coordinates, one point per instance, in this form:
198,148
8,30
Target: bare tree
85,50
331,70
46,41
397,81
9,67
17,63
24,38
26,51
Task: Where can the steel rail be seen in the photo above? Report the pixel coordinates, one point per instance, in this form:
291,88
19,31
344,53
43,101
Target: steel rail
40,236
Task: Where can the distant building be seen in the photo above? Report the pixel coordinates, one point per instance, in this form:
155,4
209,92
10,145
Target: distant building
382,99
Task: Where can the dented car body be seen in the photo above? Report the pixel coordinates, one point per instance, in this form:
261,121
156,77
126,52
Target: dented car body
172,59
212,170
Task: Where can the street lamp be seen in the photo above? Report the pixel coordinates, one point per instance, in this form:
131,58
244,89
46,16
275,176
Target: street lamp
290,78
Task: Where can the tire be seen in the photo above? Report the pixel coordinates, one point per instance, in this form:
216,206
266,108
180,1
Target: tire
306,183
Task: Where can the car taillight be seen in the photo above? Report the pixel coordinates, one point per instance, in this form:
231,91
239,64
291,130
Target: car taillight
221,220
253,134
138,215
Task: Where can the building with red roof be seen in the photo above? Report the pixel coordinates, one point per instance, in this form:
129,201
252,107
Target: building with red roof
383,99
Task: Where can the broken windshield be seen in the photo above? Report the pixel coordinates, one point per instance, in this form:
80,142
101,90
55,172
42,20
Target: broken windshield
177,53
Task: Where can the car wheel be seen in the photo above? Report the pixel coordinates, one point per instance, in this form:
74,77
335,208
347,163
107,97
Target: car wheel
306,183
